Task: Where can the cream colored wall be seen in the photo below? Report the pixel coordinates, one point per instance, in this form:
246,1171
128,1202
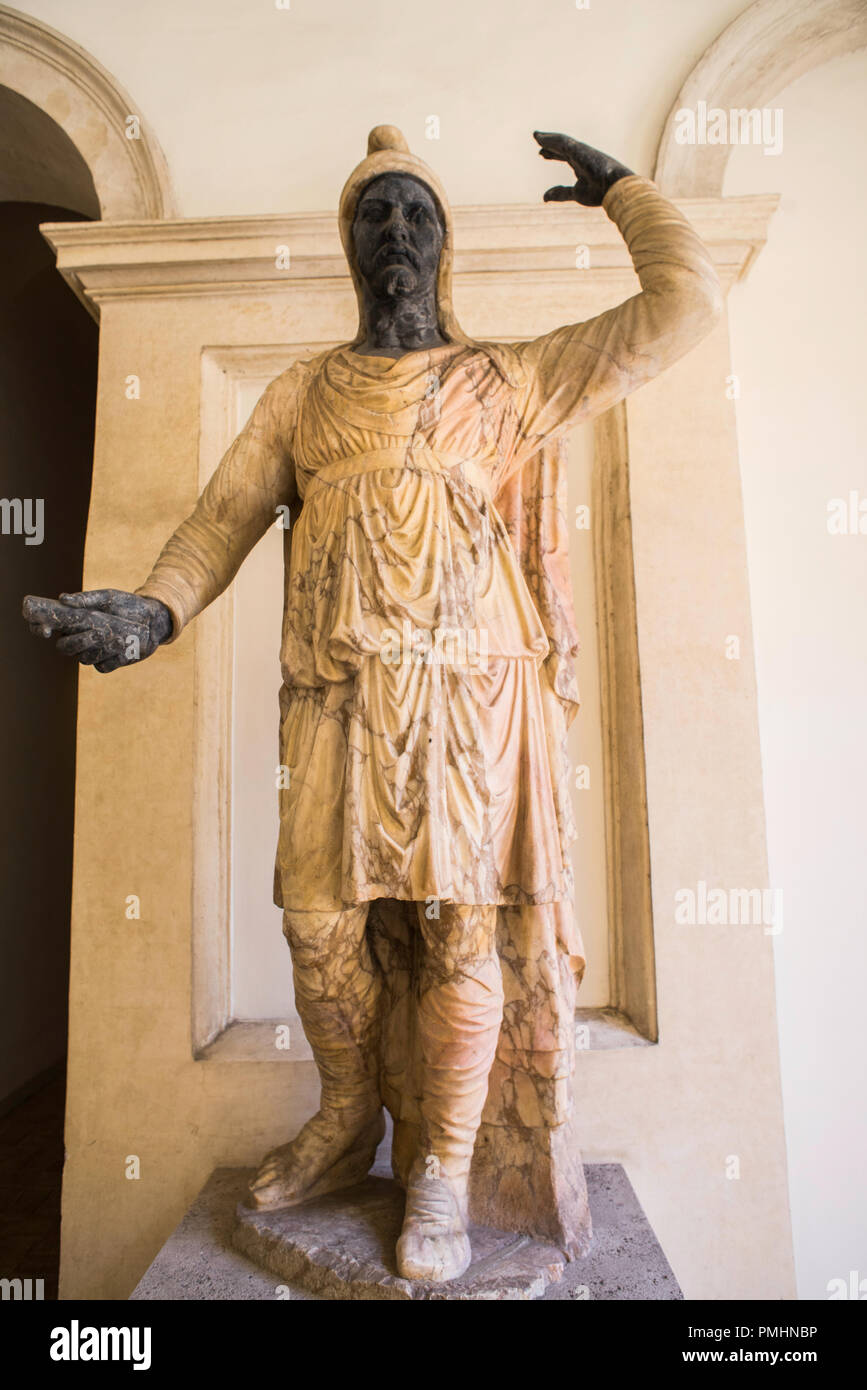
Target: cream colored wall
798,349
261,973
259,109
585,737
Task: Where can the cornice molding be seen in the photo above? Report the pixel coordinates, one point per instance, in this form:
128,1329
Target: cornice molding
236,255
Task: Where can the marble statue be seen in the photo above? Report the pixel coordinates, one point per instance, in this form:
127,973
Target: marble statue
428,683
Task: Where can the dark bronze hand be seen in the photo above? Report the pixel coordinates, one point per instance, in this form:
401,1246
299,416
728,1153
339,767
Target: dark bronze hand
105,628
594,171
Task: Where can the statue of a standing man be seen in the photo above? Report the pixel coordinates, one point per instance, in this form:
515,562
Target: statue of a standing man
426,655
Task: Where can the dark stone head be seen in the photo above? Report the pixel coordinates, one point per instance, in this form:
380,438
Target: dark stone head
398,233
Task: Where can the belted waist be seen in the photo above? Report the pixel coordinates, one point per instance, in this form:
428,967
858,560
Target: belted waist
421,459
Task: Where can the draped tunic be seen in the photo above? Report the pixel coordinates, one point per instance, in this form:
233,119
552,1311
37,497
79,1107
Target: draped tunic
415,721
408,619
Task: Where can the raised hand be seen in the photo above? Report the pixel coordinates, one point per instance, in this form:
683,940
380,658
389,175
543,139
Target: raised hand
105,628
594,171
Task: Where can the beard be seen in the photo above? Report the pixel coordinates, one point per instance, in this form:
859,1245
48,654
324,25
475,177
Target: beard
398,281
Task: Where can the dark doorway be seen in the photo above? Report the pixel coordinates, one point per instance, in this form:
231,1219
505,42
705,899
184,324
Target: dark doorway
48,371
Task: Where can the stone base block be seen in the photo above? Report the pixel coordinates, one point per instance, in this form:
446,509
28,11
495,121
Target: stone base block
352,1257
342,1246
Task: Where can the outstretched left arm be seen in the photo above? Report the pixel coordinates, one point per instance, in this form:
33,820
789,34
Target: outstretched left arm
578,371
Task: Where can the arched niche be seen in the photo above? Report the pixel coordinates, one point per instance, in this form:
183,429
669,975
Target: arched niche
768,46
46,71
38,161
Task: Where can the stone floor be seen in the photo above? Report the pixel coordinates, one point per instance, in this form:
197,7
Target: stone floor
31,1165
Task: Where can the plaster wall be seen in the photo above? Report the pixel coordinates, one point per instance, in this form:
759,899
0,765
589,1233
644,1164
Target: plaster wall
798,350
260,109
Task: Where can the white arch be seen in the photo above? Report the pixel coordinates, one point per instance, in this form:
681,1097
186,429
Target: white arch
130,175
768,46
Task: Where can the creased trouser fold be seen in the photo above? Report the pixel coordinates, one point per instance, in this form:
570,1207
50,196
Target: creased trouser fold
338,997
460,1009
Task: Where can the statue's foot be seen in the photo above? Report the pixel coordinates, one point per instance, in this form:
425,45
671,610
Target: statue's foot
433,1244
328,1154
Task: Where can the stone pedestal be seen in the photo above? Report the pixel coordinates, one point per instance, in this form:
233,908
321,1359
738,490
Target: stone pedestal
342,1247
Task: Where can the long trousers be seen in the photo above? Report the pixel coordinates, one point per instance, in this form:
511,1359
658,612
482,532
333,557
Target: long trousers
460,1006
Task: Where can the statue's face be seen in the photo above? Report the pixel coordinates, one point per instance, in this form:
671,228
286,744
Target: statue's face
398,236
